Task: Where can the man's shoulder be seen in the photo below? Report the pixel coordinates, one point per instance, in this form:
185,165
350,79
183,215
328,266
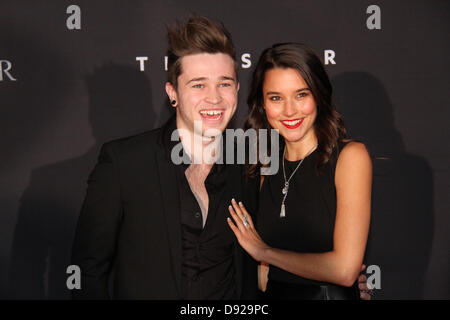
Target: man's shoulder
147,140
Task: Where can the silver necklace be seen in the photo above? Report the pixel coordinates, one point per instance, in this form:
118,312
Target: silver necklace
286,182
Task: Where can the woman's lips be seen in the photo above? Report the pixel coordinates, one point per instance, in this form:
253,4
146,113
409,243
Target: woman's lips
292,124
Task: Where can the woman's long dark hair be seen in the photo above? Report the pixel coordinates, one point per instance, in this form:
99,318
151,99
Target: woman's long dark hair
329,125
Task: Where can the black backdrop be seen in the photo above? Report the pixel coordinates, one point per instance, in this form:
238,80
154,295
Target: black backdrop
64,91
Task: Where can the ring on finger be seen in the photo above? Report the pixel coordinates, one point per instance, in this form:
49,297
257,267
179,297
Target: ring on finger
246,224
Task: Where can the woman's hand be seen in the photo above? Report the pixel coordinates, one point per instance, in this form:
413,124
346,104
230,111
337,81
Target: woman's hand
245,231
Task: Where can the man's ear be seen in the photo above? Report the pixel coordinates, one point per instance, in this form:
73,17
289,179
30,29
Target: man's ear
171,94
238,86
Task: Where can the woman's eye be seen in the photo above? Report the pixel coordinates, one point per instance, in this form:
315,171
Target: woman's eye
302,94
275,98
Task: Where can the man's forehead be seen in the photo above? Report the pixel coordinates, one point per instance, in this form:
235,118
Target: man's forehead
208,66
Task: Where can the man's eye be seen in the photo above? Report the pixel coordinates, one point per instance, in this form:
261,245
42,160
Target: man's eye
199,86
225,85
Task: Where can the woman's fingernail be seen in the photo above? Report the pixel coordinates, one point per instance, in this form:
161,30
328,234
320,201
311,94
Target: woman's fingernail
240,203
232,200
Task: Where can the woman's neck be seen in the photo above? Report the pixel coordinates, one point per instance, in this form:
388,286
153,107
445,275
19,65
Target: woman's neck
298,150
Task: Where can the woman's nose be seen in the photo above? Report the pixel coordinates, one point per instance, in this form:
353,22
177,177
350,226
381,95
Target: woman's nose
290,108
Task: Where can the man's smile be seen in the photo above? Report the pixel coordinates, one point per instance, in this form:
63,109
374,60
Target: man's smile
212,114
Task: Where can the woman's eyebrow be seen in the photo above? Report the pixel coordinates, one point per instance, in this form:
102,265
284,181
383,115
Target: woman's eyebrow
299,90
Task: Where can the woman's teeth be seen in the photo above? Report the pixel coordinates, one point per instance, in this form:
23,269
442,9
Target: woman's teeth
292,123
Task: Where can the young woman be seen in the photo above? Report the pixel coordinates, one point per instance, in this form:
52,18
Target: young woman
314,214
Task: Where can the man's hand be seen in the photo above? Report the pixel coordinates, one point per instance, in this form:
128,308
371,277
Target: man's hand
364,292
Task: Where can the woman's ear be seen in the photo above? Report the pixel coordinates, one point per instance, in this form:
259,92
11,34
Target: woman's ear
171,94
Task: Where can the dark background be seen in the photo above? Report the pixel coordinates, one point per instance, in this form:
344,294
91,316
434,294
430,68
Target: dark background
77,89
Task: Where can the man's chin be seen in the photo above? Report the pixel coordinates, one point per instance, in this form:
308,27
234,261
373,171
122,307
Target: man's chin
213,130
208,137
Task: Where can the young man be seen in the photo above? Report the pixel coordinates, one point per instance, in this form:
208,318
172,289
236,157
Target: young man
162,226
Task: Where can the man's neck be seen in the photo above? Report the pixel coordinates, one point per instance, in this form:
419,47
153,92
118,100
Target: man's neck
201,150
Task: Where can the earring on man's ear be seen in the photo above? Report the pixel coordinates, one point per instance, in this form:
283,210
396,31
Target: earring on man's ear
173,102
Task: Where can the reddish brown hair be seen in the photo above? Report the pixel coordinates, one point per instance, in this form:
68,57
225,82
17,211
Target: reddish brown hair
197,35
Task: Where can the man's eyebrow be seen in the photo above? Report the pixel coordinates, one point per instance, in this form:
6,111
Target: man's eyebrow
299,90
205,78
227,78
197,79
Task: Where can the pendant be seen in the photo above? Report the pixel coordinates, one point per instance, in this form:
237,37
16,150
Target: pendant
286,187
283,211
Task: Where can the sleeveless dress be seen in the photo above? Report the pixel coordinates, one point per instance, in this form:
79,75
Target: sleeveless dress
308,225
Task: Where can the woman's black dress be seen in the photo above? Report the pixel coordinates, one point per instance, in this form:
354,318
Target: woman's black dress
306,228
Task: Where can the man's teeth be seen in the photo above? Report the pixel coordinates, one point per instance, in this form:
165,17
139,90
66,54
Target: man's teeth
292,123
211,112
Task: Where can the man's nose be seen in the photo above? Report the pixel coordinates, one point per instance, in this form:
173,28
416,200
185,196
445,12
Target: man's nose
213,95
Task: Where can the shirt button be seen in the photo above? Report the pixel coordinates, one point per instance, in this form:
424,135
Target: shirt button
197,215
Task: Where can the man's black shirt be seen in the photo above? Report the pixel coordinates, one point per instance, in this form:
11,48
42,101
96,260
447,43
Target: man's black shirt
207,270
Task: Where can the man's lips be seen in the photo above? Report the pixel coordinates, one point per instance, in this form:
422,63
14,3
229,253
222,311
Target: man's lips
212,114
292,123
